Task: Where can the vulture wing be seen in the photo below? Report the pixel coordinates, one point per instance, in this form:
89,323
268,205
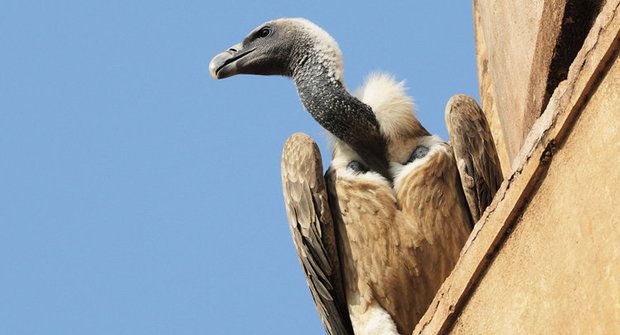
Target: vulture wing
475,152
312,227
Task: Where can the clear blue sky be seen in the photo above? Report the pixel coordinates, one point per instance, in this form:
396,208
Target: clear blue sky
138,195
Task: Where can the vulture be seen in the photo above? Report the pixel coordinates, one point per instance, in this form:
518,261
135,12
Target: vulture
378,233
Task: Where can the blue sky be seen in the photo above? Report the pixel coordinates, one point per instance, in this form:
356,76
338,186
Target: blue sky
138,195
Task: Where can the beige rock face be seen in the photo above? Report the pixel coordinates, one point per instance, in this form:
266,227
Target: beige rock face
486,95
524,49
504,64
559,270
545,256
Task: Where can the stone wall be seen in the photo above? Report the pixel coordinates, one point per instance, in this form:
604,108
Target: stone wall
545,256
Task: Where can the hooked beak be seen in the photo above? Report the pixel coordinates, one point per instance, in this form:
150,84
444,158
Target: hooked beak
224,65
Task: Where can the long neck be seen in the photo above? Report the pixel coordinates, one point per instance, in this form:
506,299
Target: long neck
329,103
335,109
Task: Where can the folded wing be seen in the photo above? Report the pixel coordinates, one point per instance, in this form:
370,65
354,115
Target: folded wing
475,152
312,227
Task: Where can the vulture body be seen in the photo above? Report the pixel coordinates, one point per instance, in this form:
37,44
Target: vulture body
379,233
397,243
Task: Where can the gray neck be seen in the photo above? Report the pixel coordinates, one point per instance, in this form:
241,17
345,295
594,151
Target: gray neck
325,97
335,109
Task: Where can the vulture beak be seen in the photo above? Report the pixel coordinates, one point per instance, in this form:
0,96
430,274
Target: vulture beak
225,64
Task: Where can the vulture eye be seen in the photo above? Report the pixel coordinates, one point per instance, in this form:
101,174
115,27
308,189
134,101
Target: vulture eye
357,167
263,32
419,152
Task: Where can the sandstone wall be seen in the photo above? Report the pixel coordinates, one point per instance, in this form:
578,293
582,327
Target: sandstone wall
545,256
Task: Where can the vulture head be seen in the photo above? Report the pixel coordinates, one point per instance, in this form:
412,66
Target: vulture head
279,47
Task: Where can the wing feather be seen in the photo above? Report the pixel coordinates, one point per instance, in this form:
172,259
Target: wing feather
475,152
312,227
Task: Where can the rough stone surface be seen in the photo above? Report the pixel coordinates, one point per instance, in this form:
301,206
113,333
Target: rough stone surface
559,270
509,43
548,242
524,49
486,94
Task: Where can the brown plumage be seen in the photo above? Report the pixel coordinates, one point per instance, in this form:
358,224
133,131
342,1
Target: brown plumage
310,221
396,243
474,149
